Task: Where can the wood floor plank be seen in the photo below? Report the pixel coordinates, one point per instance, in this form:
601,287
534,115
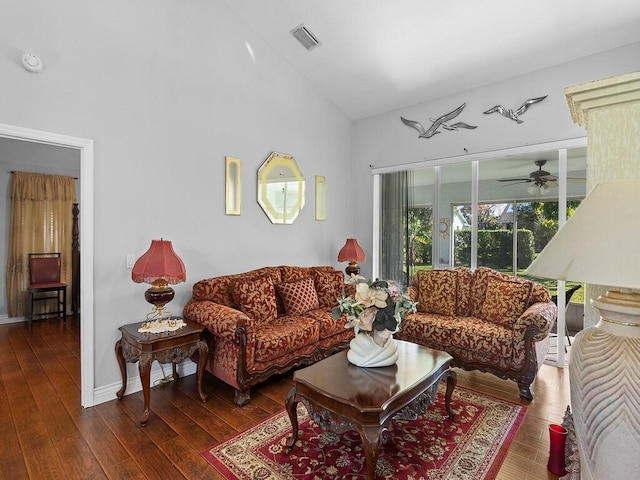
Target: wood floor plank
80,461
146,454
103,443
126,470
188,461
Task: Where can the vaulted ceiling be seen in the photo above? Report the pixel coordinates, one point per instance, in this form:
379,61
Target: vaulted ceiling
379,55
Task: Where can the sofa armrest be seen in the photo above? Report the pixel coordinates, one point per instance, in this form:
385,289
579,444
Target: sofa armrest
220,320
542,315
412,293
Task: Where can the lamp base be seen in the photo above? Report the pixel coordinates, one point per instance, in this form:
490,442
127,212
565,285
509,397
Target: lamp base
604,374
158,295
352,269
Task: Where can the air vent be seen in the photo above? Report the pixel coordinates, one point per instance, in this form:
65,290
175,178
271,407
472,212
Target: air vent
305,37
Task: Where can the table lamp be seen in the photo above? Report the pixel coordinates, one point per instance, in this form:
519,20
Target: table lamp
159,266
352,253
599,245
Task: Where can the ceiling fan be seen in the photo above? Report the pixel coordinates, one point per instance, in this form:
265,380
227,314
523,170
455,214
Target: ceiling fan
539,177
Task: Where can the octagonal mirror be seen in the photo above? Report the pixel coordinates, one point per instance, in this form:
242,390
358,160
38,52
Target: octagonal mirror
280,188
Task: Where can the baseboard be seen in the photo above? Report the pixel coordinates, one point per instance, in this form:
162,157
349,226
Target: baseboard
108,392
5,319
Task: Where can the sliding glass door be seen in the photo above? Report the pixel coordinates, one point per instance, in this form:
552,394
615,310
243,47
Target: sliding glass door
497,212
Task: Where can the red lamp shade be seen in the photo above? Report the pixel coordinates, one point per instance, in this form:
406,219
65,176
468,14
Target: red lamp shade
159,262
352,253
159,266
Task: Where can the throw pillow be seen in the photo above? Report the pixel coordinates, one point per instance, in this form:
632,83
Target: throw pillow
299,296
438,291
505,301
328,287
256,297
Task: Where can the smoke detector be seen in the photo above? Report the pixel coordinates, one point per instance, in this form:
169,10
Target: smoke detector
32,62
305,37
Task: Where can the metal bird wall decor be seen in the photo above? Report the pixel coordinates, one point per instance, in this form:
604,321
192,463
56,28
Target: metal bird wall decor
439,122
513,115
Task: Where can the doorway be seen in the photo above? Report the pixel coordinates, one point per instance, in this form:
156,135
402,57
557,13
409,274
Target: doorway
85,149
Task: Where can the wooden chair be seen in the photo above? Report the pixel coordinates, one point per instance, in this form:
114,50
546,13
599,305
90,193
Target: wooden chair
45,285
568,294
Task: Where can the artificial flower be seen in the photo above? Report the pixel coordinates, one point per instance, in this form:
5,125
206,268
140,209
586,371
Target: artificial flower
376,308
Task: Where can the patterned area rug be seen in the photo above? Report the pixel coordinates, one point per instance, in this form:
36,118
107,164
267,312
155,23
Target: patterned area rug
472,446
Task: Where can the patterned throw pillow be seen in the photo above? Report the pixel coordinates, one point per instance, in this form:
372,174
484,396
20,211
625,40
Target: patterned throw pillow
328,287
298,296
505,301
256,297
438,291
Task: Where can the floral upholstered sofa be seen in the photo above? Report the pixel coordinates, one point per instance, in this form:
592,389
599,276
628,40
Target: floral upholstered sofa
268,321
486,320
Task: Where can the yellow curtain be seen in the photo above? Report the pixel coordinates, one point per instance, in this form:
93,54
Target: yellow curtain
41,221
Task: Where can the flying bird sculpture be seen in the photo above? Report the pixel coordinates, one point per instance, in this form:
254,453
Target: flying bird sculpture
439,122
508,113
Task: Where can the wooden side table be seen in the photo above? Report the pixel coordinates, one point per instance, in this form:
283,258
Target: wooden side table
164,347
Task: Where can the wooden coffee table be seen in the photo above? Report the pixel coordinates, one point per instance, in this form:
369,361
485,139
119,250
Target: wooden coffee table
340,396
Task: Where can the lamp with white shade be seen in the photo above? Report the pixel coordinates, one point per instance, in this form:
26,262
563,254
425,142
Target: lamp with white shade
599,245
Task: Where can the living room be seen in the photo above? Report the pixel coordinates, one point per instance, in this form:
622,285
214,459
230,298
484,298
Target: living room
166,90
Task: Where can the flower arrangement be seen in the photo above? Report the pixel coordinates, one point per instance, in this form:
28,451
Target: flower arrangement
377,308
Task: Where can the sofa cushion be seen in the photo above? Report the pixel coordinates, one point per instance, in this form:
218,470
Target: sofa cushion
505,300
328,325
438,291
298,296
280,336
291,273
256,297
465,283
329,286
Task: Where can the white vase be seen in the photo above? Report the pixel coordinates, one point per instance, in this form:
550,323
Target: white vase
364,352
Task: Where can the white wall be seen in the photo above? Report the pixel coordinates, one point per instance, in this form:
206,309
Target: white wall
384,140
167,89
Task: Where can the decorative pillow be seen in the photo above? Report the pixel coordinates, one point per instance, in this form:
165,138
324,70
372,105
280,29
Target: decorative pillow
505,301
328,287
299,296
438,291
256,297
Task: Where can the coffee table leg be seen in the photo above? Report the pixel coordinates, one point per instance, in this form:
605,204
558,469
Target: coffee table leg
292,410
452,379
371,443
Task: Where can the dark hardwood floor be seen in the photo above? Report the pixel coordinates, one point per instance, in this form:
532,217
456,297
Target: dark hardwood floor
46,434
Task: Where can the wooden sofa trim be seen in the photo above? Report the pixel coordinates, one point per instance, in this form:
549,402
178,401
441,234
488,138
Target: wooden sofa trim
247,379
523,377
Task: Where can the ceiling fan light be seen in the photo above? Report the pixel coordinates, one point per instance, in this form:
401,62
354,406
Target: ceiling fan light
532,189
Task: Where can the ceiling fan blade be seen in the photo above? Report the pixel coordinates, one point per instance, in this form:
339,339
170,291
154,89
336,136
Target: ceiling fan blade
515,183
575,179
514,180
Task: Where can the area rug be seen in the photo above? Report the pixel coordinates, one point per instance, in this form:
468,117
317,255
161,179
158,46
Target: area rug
472,446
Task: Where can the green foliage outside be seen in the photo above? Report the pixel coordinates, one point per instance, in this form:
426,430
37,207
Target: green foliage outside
495,248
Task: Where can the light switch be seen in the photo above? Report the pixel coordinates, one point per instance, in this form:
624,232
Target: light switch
131,259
